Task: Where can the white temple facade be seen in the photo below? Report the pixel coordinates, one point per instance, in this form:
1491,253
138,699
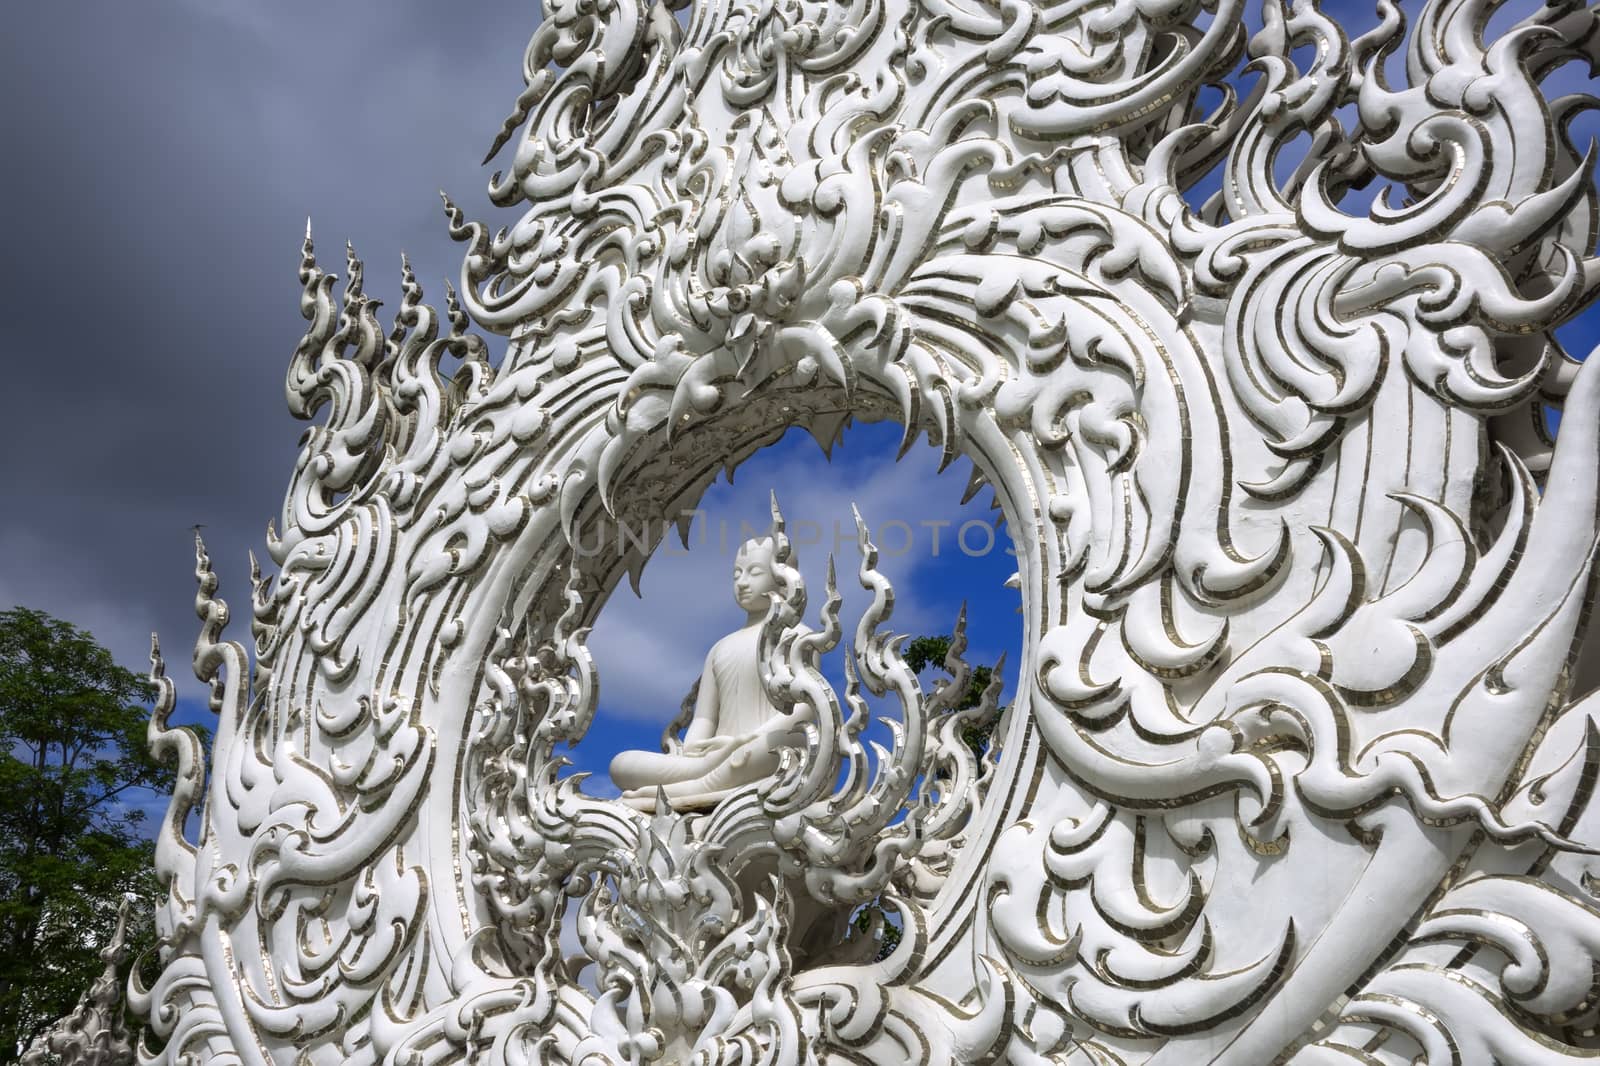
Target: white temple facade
1298,763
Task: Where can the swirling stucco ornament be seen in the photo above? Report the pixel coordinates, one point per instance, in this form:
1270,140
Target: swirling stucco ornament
1301,760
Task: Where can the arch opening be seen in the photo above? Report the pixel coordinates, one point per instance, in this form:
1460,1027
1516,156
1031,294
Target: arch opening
942,532
942,542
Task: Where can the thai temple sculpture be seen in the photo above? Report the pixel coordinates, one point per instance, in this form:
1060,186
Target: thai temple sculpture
736,733
96,1032
1251,315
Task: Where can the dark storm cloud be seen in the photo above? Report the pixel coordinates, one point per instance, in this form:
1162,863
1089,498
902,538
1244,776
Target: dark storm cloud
162,159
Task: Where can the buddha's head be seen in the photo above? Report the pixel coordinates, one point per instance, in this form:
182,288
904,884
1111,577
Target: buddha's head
753,575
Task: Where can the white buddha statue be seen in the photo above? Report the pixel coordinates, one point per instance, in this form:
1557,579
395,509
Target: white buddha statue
736,734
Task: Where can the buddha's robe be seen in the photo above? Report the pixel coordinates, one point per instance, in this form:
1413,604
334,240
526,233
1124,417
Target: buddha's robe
734,739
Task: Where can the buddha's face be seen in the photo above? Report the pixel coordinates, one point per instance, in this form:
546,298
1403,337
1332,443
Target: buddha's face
753,578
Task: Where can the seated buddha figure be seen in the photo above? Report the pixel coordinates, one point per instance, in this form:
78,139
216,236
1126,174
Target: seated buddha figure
736,733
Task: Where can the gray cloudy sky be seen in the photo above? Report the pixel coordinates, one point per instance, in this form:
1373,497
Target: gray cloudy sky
164,155
162,158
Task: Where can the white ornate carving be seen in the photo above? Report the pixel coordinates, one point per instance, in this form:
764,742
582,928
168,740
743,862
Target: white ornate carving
96,1032
1301,763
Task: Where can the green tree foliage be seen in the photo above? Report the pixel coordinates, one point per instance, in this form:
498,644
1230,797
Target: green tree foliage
923,652
72,754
